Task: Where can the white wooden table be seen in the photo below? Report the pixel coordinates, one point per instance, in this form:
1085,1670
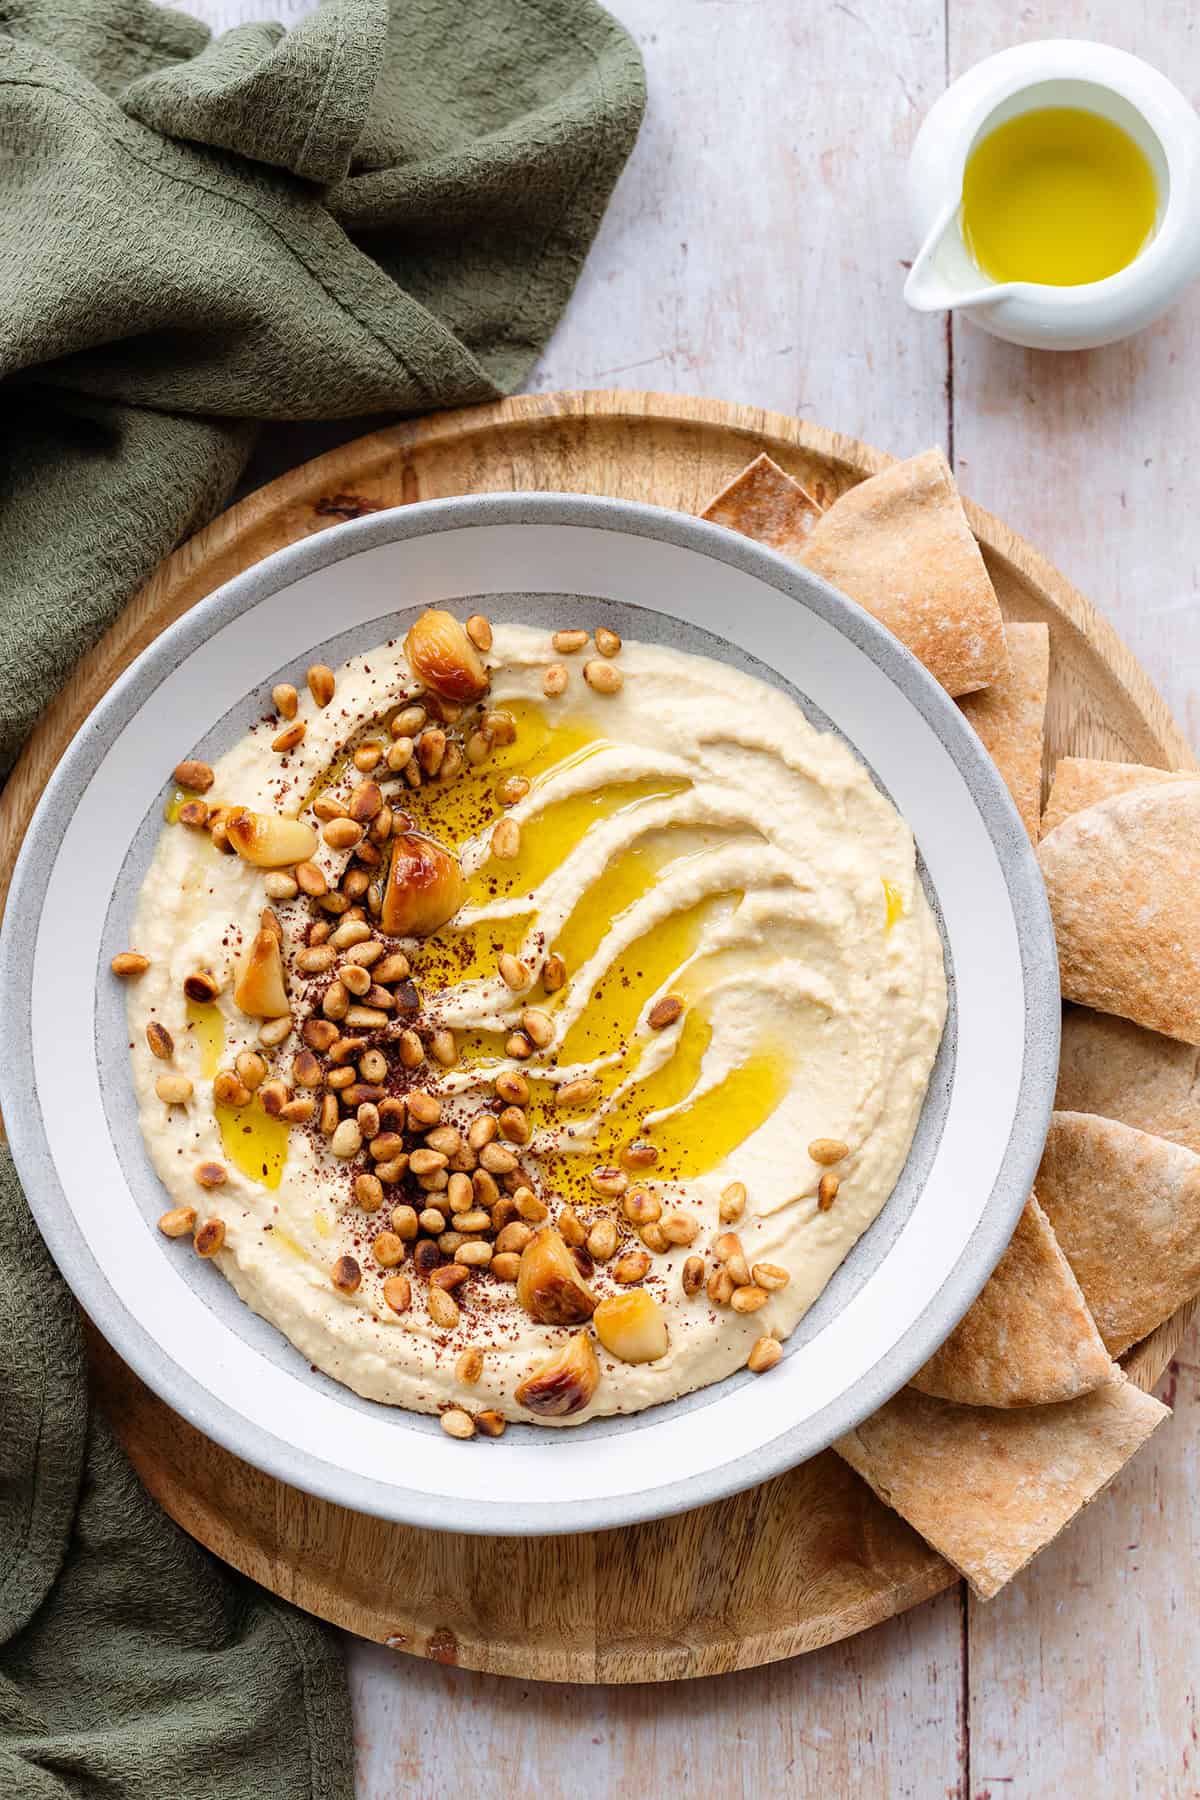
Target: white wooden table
755,250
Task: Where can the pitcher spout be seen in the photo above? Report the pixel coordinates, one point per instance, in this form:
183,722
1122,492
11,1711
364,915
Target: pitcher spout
943,277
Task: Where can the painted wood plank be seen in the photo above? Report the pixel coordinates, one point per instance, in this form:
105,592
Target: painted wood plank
879,1716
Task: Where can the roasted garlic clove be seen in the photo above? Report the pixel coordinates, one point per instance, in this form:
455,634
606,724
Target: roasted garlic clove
549,1285
270,841
261,990
563,1384
632,1326
424,887
442,656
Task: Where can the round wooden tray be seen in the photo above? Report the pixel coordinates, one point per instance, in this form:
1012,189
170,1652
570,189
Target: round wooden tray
811,1556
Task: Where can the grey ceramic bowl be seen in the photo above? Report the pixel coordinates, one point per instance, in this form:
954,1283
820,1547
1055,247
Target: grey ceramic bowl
653,575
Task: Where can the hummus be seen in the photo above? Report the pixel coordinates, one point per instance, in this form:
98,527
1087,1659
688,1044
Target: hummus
716,932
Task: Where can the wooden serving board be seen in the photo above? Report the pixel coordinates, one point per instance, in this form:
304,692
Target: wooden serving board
807,1558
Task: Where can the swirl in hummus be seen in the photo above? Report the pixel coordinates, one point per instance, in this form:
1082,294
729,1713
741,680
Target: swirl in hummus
603,1135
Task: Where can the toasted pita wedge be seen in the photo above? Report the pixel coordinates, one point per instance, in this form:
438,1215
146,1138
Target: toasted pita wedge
1112,1067
989,1489
1029,1339
1123,878
1125,1207
900,545
765,504
1080,781
1010,717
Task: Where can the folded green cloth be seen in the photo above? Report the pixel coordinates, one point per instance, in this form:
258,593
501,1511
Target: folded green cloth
382,210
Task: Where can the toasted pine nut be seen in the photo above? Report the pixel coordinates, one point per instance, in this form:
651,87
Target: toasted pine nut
639,1156
733,1203
393,968
475,1253
368,1191
196,776
178,1222
310,880
289,737
720,1287
654,1238
770,1276
399,754
602,1240
692,1276
443,1310
423,1109
554,974
335,1002
298,1111
608,643
285,700
569,1227
279,885
518,1046
506,840
538,1026
173,1090
342,834
229,1089
368,757
208,1238
316,959
765,1354
128,964
320,684
506,1266
347,1139
514,973
641,1207
512,1087
202,986
827,1190
567,642
514,1125
748,1299
193,814
445,1050
479,630
603,677
482,1130
580,1092
329,1115
631,1267
530,1208
469,1367
664,1012
408,721
273,1032
320,1034
346,1275
431,748
609,1182
554,681
680,1228
355,979
387,1249
161,1043
727,1245
828,1150
455,1422
397,1292
412,1051
497,1159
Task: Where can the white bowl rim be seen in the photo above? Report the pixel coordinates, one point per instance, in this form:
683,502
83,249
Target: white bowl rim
186,1395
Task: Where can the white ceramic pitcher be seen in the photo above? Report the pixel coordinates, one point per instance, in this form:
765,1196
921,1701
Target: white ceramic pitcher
1056,72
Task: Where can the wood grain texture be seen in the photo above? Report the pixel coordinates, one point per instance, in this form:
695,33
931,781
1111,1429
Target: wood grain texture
801,1562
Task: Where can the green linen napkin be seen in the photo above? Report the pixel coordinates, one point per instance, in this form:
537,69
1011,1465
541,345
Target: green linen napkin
382,210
